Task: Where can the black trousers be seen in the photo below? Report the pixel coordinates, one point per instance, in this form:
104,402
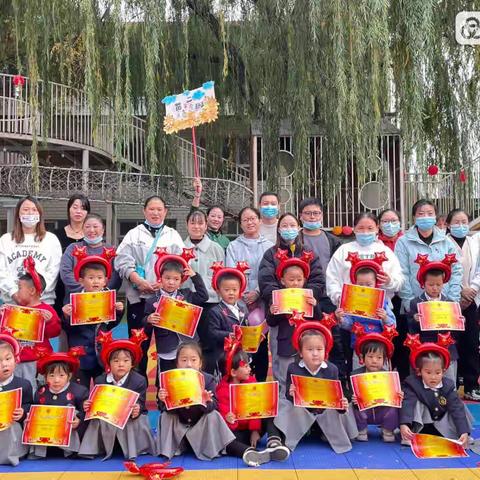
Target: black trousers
467,346
135,314
260,361
84,377
401,353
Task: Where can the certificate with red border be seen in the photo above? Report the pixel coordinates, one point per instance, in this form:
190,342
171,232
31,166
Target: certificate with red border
311,392
48,425
434,446
252,335
289,299
375,389
185,387
9,401
178,316
361,301
112,404
254,400
441,316
93,307
28,324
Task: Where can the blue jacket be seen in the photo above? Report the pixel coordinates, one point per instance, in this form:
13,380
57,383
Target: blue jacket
408,247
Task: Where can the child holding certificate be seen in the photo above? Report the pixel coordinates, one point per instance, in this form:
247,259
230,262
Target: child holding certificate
374,350
17,403
431,404
432,275
172,271
135,438
93,273
313,340
59,389
200,426
235,368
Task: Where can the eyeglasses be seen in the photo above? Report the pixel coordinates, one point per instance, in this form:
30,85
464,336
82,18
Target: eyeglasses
316,213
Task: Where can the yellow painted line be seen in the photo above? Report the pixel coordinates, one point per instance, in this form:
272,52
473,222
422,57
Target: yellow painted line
327,475
447,474
365,474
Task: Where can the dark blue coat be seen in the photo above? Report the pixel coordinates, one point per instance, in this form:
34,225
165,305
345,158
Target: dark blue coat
27,394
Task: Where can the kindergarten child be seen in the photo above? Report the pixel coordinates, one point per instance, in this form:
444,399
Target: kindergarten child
59,389
313,341
374,350
431,404
12,448
30,287
235,367
292,272
172,271
432,276
93,273
200,427
119,358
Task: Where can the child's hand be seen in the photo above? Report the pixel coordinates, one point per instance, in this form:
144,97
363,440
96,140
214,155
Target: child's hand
292,390
67,309
354,399
197,186
135,411
401,395
381,314
17,414
207,396
119,306
383,278
87,405
339,314
406,433
251,297
273,309
153,318
75,423
416,317
230,417
344,403
162,394
254,438
189,271
311,301
47,316
464,439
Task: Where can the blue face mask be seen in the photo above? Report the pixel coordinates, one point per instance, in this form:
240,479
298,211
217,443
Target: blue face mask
459,231
425,223
365,239
93,241
390,229
154,225
289,234
312,225
269,211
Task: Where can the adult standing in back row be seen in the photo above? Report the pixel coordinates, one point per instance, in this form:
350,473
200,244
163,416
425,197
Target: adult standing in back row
268,206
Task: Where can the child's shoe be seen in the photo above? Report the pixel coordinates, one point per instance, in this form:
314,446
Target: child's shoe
362,435
278,452
388,436
254,458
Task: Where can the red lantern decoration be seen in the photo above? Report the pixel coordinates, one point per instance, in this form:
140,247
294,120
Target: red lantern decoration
462,176
432,170
18,82
347,231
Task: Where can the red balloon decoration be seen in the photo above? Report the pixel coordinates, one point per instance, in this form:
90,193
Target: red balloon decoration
18,81
462,176
432,170
347,231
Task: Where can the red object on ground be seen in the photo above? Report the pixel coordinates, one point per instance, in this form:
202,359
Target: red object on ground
154,470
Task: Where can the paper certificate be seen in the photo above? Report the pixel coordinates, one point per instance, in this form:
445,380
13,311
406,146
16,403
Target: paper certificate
375,389
440,316
290,299
178,316
27,324
93,307
361,301
184,386
9,401
48,425
311,392
433,446
112,404
251,337
254,400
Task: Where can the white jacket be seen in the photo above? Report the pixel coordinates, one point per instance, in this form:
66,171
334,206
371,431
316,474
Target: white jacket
47,255
133,251
338,269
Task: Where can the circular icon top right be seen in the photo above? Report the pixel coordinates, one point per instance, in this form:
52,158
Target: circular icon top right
467,28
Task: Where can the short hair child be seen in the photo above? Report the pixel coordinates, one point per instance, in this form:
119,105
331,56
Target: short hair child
227,276
172,267
92,266
240,356
374,347
26,277
428,357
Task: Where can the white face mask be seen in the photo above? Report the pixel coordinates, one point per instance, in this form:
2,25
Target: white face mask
30,220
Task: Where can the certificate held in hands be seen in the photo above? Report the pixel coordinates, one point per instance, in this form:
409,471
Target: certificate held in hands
178,316
361,301
93,307
252,335
440,316
184,386
9,401
375,389
26,323
289,300
254,400
311,392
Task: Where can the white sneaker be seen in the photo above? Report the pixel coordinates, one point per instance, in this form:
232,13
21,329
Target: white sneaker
473,395
254,458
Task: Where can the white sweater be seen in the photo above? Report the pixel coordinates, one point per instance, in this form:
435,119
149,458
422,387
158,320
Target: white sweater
338,269
47,255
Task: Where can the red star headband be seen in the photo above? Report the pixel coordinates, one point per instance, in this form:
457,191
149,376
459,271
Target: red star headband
133,345
374,264
324,326
219,270
163,257
384,337
285,262
83,259
6,335
232,344
441,347
426,265
45,357
29,267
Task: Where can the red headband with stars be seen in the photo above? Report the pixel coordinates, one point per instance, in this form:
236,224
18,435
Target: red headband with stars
374,264
219,270
384,337
163,257
426,265
29,267
231,345
45,357
285,262
441,347
6,335
105,259
133,345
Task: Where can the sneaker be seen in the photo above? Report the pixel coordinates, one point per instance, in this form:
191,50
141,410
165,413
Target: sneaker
388,436
472,395
278,453
254,458
362,435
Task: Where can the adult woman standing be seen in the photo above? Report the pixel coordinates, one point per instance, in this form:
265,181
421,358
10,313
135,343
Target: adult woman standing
135,262
390,227
467,249
78,207
29,237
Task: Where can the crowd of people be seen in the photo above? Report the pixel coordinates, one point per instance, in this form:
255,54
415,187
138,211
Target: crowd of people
427,262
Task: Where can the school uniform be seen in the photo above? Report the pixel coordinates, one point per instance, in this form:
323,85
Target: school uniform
441,408
203,428
72,395
135,439
338,426
12,448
